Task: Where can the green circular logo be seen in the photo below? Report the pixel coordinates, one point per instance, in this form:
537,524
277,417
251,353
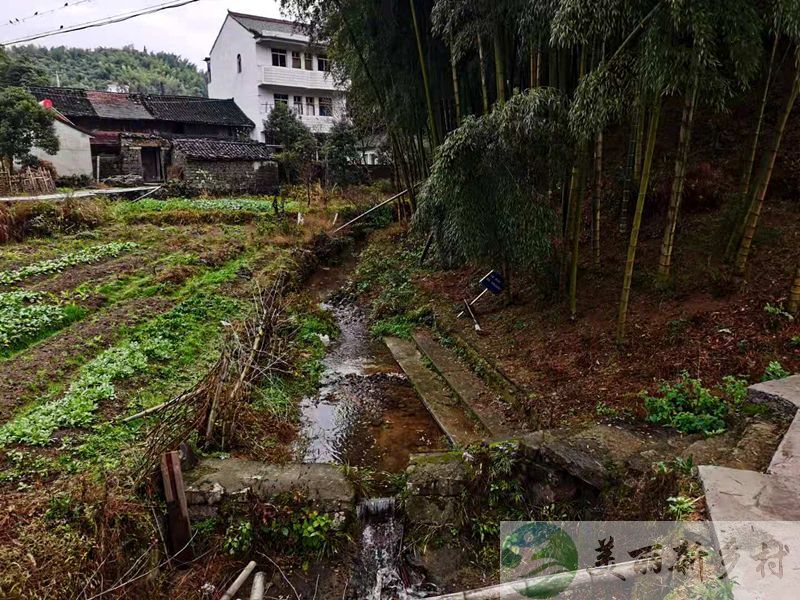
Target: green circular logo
542,551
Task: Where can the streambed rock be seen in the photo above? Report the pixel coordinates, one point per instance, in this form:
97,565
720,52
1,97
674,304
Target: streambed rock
216,480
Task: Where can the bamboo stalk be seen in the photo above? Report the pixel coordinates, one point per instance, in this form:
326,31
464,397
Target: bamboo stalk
762,183
678,181
484,88
424,69
499,65
456,95
637,221
793,306
598,190
744,187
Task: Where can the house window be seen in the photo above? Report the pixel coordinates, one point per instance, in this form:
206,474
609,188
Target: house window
282,99
326,107
309,61
278,57
323,64
309,107
298,106
238,63
296,62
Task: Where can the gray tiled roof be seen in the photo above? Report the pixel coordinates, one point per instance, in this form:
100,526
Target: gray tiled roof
258,24
211,149
111,105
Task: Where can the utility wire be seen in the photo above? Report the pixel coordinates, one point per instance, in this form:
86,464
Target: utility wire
41,13
101,22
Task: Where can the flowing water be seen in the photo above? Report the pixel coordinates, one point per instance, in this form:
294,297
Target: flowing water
366,414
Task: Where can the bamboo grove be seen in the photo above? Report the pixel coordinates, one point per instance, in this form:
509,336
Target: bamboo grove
502,108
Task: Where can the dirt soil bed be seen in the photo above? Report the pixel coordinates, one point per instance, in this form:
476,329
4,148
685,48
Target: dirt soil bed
709,324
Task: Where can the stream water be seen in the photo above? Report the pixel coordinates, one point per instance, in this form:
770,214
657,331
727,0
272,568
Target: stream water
366,414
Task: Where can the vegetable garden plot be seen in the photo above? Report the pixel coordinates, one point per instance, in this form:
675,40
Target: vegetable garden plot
56,265
24,316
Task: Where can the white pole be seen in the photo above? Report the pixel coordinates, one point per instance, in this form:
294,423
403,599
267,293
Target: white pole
231,591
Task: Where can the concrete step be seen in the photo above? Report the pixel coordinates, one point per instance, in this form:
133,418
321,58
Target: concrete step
488,406
786,460
452,416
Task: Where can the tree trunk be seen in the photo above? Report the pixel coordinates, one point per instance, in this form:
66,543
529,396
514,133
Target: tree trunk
499,65
637,221
744,187
424,69
484,88
762,183
598,190
684,142
456,95
793,305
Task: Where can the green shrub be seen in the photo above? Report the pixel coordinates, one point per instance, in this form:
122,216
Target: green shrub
687,406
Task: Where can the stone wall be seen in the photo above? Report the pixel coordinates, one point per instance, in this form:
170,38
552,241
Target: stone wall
225,176
130,158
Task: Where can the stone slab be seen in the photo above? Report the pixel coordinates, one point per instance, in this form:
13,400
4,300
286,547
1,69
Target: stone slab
450,414
739,495
321,484
437,473
782,395
786,460
596,455
485,404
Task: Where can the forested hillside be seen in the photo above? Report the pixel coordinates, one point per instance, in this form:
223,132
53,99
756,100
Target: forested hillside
141,71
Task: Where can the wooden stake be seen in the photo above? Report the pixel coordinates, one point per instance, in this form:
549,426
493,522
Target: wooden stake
179,530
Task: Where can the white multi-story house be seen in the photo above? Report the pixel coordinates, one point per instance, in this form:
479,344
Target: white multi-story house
260,62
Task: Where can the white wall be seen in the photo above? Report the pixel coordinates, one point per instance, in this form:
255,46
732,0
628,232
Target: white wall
226,82
74,156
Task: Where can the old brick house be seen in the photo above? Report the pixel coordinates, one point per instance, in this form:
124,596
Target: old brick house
206,142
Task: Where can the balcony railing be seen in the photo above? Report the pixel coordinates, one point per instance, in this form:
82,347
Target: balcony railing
316,123
296,78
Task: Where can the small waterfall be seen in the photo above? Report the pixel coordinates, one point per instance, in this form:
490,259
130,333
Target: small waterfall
375,509
381,575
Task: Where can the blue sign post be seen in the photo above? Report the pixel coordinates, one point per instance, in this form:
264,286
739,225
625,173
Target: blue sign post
494,282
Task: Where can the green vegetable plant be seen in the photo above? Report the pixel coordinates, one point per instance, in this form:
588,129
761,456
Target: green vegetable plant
26,316
690,407
775,370
56,265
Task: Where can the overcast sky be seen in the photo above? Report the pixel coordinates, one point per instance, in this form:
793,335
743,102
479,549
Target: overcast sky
188,31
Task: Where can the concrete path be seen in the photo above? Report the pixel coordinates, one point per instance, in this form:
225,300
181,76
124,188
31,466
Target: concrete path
489,407
80,194
451,415
753,511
